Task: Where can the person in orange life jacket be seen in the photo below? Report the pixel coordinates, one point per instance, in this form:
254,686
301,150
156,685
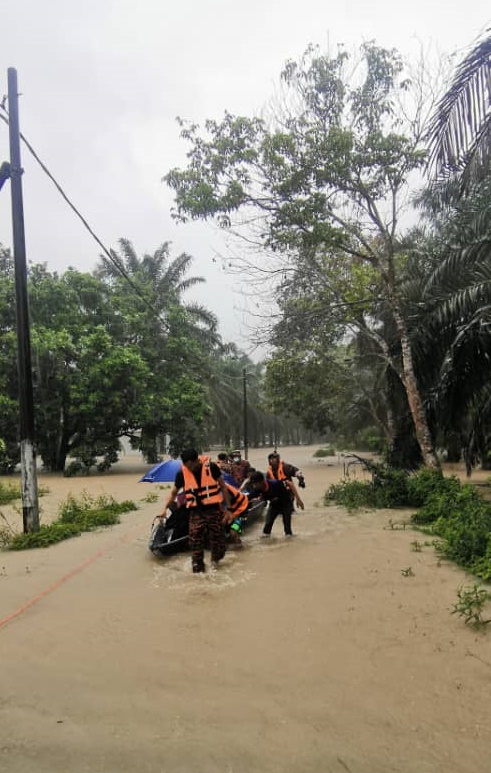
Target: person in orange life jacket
239,503
280,470
240,467
279,495
204,490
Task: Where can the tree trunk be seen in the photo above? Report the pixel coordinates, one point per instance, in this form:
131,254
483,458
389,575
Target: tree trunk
454,447
415,402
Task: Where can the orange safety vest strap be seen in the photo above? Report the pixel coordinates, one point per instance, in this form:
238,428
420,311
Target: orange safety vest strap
280,473
207,492
239,502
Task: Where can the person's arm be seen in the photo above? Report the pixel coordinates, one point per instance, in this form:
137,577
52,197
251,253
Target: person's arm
290,470
224,490
169,501
290,484
244,484
227,516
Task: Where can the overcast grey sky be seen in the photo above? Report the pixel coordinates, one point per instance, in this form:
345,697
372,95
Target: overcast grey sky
103,80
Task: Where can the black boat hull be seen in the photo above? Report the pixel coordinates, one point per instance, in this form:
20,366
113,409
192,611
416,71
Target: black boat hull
171,535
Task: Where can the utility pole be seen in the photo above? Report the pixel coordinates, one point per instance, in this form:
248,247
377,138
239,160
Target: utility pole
246,440
30,504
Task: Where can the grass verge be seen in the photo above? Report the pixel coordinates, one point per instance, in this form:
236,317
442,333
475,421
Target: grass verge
75,516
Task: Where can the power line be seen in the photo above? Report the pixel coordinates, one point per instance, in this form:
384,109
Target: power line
114,260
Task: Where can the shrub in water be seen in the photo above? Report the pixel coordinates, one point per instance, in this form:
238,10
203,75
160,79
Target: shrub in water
388,488
322,452
466,532
425,482
351,494
76,516
443,503
9,492
47,535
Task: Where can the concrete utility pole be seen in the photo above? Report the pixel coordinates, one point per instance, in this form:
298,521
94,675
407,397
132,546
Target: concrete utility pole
30,504
246,439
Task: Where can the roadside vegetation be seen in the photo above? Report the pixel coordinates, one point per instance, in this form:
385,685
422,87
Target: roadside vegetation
74,517
455,515
321,453
9,492
381,331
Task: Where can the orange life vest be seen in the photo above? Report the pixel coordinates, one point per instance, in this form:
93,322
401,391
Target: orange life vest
279,475
207,492
239,502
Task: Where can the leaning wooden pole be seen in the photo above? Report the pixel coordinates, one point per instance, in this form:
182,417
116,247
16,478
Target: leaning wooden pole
30,504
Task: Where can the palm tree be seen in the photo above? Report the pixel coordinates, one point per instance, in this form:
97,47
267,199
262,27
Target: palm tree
460,130
175,338
158,283
449,303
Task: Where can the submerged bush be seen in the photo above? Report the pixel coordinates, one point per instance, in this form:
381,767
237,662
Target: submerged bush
388,488
351,494
446,501
425,482
322,452
75,517
9,492
448,509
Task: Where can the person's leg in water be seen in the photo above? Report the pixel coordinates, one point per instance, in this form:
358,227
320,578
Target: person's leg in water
197,529
270,519
216,535
287,520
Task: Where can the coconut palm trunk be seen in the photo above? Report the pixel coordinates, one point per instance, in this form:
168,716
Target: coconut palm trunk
418,413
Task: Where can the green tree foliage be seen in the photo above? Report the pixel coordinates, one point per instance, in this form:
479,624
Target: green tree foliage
9,412
324,181
455,347
233,377
85,380
460,131
112,356
449,298
174,339
87,393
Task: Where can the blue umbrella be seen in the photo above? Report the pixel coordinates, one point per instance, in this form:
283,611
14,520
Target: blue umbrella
163,472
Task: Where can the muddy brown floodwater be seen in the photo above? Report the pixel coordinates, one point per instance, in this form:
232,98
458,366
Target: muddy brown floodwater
318,654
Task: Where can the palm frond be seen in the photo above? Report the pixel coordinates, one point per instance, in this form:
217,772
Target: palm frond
477,164
459,131
129,255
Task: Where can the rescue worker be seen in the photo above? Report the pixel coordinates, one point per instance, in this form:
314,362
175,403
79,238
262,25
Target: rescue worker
280,470
239,503
279,494
204,490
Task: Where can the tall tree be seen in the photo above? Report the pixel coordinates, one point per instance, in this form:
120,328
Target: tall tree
450,302
85,381
327,178
174,338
